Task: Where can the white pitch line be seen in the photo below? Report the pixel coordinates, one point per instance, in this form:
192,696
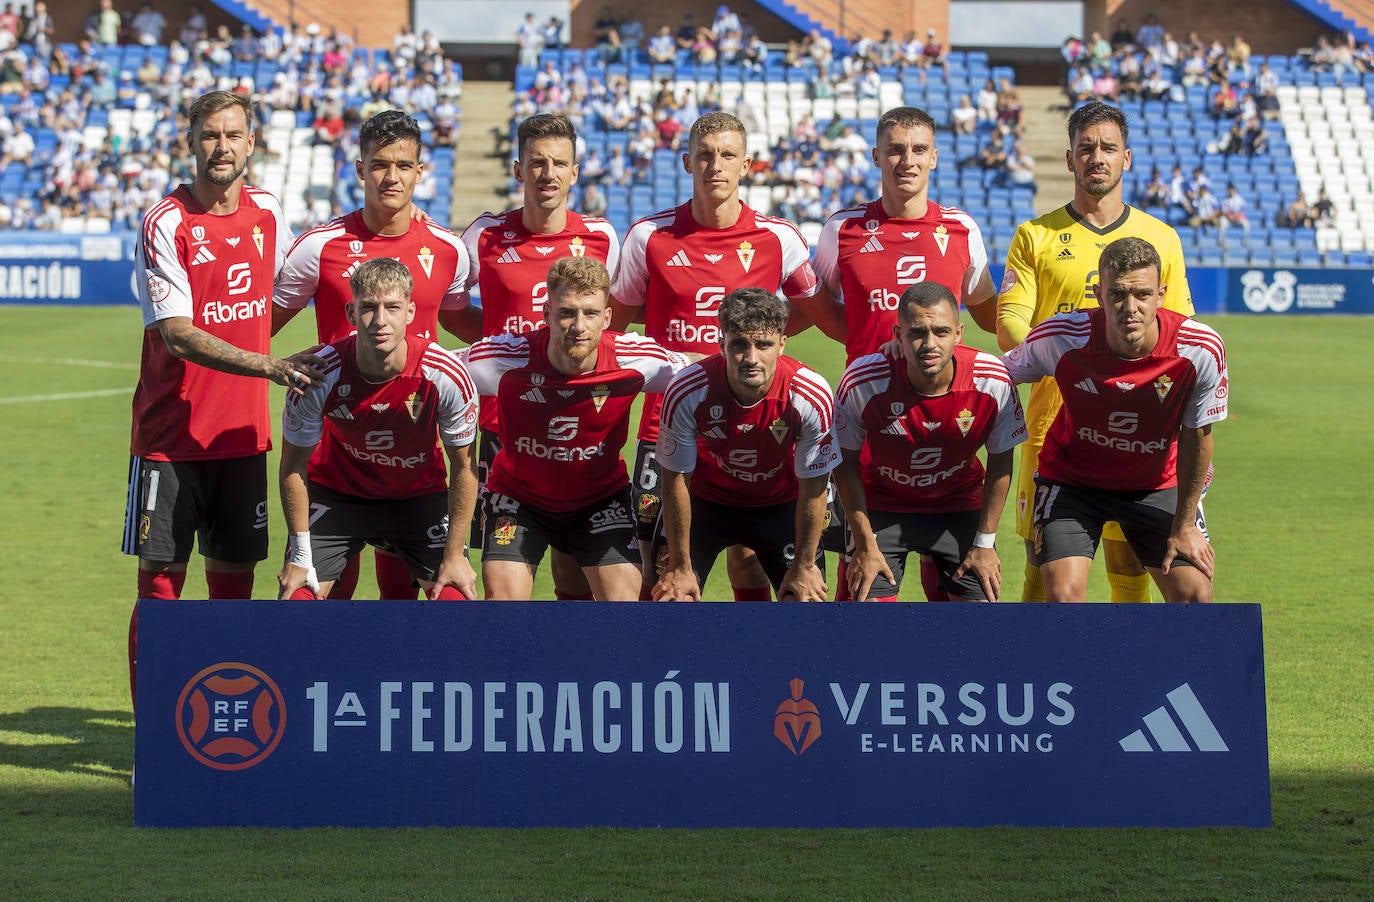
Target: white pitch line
68,396
69,361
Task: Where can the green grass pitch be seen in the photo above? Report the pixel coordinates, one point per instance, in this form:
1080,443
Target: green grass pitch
1290,517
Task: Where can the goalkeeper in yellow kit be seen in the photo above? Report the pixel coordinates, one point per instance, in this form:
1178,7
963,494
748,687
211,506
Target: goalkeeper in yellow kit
1052,268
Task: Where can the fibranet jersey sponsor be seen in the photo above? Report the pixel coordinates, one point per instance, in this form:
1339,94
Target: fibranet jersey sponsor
381,439
1118,428
748,456
920,453
323,259
680,271
870,258
218,272
561,435
1052,268
510,265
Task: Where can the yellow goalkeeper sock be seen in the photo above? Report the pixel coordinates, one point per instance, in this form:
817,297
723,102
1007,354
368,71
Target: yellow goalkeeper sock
1127,588
1034,587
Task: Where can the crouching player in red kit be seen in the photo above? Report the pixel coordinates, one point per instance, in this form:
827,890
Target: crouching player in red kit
753,431
1142,387
360,458
565,393
910,429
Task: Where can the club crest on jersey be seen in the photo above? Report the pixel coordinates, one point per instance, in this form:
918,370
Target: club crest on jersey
381,408
504,531
544,251
717,413
577,248
714,258
1065,237
898,408
257,240
964,421
1162,386
415,404
426,258
871,225
745,252
198,234
355,248
779,430
345,390
942,238
1125,386
234,241
599,396
933,425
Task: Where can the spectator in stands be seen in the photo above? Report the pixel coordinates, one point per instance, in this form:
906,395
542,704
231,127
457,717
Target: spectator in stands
1323,211
1195,70
987,103
1233,213
103,25
18,147
1233,142
1123,38
662,48
1171,52
528,42
818,47
1266,89
147,25
963,119
593,200
244,48
725,22
1238,56
1298,215
1129,76
934,54
552,33
1225,102
1156,192
1180,207
868,83
10,26
631,34
1008,104
101,93
328,126
889,49
1256,137
605,32
1099,51
618,166
1158,85
39,30
755,53
704,48
1021,167
1323,55
1206,209
1343,60
1151,33
1105,86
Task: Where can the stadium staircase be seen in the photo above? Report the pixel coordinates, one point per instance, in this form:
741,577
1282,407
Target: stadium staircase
375,29
1354,16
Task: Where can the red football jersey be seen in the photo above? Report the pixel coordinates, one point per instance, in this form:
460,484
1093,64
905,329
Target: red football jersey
1119,426
218,271
323,259
680,272
381,439
510,265
919,453
870,259
561,435
748,456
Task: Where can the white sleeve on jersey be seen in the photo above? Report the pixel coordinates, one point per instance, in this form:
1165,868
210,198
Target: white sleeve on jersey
491,358
863,379
456,295
284,237
816,453
798,278
470,241
457,419
164,288
677,437
612,248
991,378
1039,354
302,416
655,363
1202,346
978,285
299,276
631,275
827,260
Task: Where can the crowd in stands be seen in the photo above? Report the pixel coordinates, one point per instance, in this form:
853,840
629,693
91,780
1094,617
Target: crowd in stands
63,159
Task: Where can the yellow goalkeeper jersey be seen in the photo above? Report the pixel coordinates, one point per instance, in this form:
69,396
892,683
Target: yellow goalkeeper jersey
1052,268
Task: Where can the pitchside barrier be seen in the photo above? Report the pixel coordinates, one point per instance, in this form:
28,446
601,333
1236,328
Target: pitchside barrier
699,715
51,268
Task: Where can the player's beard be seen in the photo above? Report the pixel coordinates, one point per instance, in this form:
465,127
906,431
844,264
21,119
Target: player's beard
214,176
1101,188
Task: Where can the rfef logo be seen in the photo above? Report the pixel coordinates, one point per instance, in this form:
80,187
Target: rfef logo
230,716
797,723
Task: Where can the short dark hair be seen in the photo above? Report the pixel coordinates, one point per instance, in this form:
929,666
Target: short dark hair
545,125
925,295
206,105
378,275
903,117
746,311
1093,113
1127,255
385,129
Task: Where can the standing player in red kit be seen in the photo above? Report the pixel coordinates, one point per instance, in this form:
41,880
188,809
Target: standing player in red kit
321,261
679,264
752,430
1142,386
910,430
511,253
565,393
206,259
377,473
870,254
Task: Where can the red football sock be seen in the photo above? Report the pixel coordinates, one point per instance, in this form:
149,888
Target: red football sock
885,598
151,584
646,593
842,581
347,582
450,593
393,578
303,593
578,596
930,582
222,585
753,593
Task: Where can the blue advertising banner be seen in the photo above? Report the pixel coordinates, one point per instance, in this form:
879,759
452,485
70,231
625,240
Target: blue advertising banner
706,715
51,268
1292,291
